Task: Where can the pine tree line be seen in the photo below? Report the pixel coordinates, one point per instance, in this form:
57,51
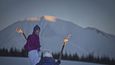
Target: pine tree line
89,58
13,52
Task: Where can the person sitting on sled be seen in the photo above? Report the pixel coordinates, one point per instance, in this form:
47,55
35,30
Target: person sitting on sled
48,59
33,46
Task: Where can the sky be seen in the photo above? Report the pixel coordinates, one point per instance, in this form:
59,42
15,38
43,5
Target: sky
99,14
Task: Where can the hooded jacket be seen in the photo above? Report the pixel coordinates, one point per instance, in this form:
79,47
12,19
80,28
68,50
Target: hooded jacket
33,42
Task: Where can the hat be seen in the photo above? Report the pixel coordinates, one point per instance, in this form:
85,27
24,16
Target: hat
47,54
36,28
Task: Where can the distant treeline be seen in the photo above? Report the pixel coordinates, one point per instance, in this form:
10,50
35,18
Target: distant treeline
13,52
89,58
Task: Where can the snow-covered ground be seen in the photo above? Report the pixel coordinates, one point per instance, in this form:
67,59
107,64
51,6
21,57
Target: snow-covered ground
25,61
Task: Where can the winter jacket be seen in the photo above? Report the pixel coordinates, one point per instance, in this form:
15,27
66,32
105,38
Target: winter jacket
32,43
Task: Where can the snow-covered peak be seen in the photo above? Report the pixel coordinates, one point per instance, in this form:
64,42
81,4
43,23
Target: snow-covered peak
50,18
35,18
46,17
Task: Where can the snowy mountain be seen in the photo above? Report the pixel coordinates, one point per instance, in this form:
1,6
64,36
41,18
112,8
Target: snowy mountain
53,30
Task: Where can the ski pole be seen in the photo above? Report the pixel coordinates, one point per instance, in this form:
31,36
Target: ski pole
60,56
66,39
19,30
